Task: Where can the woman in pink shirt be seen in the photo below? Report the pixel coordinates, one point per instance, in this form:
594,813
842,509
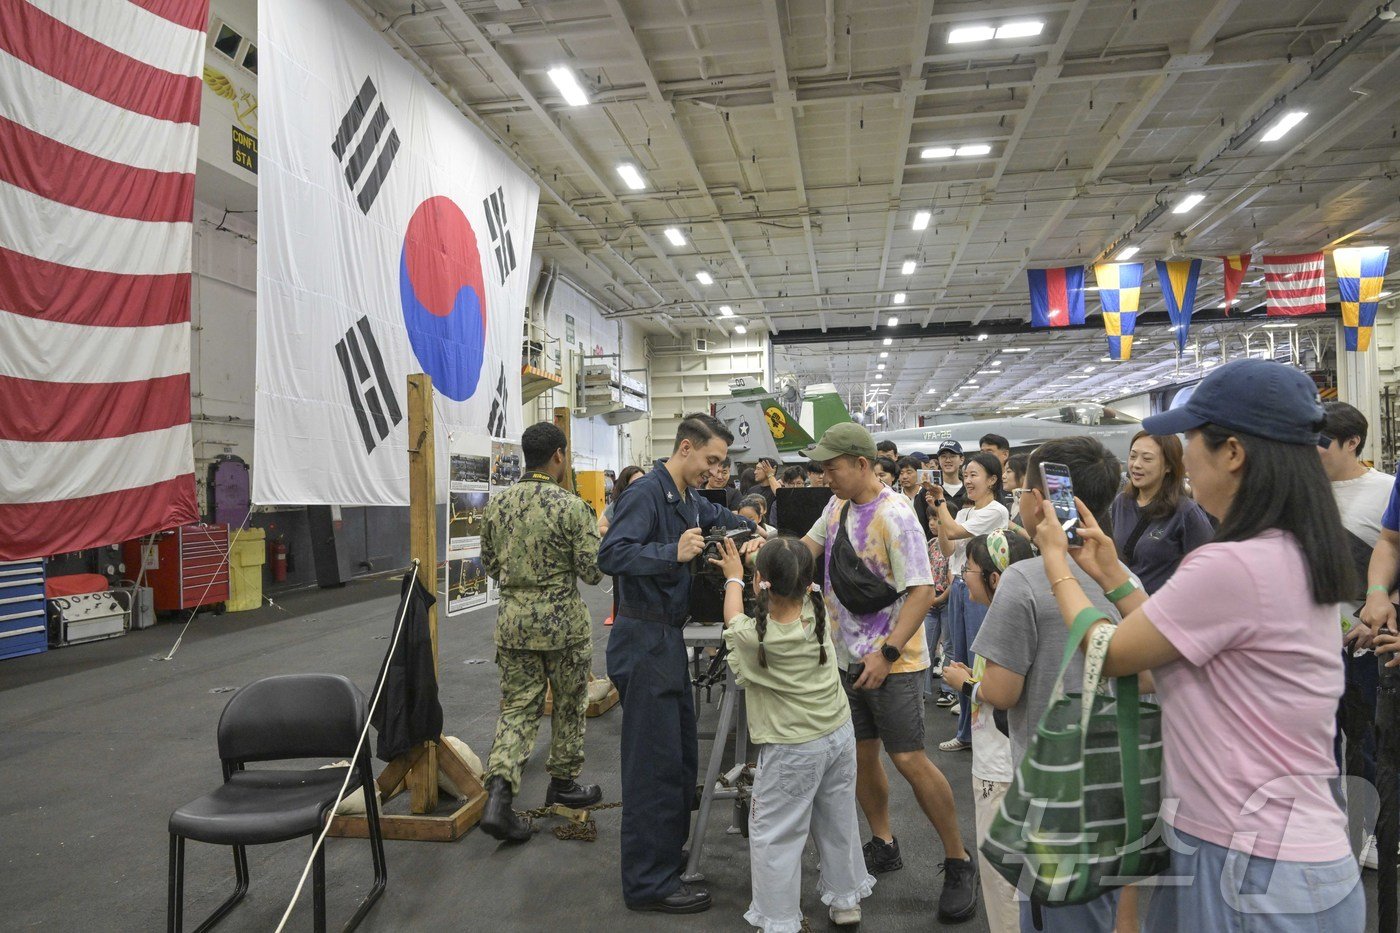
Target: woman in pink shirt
1243,644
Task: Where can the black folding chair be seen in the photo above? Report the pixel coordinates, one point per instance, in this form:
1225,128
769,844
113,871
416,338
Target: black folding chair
277,719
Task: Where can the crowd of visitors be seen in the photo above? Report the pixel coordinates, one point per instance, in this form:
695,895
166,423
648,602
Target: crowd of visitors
1246,579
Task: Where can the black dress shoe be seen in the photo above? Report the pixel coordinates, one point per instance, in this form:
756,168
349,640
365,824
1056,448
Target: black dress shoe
685,900
571,793
499,820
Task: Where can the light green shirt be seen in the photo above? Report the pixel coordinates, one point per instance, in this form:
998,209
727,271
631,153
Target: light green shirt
794,699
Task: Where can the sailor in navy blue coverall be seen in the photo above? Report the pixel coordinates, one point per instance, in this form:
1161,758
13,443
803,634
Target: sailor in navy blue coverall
644,552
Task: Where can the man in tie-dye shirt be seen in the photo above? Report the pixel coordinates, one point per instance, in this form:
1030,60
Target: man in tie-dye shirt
883,657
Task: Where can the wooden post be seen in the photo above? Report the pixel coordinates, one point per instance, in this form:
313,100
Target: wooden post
422,537
564,422
419,767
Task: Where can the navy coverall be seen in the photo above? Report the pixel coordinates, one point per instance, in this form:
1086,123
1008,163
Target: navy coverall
647,662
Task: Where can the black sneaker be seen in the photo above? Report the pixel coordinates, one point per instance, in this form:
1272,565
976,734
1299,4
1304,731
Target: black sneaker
946,700
882,856
958,902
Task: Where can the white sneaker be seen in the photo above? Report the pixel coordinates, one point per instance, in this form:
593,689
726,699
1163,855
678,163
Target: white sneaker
845,917
955,709
1369,854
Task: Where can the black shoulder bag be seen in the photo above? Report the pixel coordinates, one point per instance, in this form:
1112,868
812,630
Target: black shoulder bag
856,586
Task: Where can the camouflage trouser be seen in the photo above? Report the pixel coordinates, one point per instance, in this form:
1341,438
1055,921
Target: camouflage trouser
523,678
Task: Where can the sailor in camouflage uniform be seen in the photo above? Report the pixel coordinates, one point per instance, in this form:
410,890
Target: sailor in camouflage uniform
538,537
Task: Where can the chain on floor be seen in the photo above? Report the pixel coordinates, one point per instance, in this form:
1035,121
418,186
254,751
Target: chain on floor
580,824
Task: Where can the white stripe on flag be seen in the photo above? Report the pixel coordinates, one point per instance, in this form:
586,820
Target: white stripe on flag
64,114
1292,268
49,472
132,31
71,236
48,351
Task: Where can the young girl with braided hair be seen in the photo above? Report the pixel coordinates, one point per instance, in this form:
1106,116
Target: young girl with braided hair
988,556
784,659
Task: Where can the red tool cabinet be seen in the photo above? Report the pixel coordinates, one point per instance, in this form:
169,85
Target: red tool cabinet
187,567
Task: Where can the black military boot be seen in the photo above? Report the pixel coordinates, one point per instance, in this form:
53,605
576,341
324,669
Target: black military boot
498,820
570,793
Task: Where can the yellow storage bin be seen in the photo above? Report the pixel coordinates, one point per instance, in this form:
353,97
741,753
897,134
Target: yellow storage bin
246,560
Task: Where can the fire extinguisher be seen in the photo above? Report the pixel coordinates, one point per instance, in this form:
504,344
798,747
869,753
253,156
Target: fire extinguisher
278,559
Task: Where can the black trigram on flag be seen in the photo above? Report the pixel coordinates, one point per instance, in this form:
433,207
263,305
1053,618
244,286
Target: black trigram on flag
371,395
496,423
500,234
364,172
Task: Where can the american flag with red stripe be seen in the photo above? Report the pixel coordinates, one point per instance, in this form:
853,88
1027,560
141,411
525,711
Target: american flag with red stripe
1296,284
99,121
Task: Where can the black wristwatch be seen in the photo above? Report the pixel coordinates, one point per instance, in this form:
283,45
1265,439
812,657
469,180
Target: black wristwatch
890,652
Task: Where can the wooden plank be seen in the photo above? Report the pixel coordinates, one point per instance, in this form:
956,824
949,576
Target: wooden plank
414,828
422,537
459,772
564,422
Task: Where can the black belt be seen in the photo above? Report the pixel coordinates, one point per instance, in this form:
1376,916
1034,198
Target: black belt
648,615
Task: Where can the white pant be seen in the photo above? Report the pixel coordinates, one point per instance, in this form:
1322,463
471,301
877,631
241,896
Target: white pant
1003,912
797,788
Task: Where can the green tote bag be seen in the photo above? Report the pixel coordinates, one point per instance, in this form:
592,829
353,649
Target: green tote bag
1081,816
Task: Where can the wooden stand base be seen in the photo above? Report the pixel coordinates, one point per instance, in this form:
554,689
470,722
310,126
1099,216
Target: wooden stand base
421,827
595,707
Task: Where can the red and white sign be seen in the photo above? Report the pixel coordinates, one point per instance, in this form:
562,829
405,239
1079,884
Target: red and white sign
98,136
1296,284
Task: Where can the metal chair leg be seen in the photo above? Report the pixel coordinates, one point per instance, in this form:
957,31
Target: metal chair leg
376,841
318,889
175,892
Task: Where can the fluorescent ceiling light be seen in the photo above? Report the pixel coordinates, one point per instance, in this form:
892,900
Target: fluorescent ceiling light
884,354
976,149
981,337
921,219
1283,124
899,299
1016,350
1267,327
881,367
629,174
1188,202
740,329
994,363
892,322
888,341
704,278
908,267
938,152
1020,29
1127,252
971,34
989,372
726,311
1089,369
568,85
675,236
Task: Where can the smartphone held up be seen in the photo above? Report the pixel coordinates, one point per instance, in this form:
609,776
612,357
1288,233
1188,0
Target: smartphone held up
1056,485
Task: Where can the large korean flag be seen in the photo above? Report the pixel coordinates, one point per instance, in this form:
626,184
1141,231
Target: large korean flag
393,238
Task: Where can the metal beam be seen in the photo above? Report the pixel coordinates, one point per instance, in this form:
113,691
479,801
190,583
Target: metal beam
512,77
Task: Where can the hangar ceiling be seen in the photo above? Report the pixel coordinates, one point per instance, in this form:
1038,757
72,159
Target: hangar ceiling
790,146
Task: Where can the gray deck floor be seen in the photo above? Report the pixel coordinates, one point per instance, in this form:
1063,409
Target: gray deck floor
99,742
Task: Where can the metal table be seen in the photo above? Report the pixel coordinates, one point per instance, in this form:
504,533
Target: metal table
731,718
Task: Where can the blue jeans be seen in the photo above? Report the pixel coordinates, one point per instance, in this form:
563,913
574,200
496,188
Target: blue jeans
933,631
965,621
1227,891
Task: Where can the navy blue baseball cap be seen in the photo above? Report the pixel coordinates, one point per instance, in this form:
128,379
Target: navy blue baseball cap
1258,397
952,445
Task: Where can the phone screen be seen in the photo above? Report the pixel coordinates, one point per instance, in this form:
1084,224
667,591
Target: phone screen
1059,489
930,477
